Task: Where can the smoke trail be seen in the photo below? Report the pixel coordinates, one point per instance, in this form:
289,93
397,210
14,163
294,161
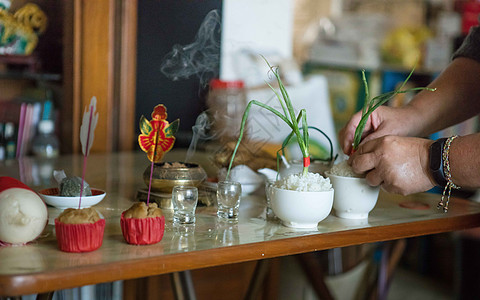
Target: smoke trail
200,58
200,131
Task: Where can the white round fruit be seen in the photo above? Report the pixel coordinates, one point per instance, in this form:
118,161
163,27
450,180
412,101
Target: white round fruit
23,215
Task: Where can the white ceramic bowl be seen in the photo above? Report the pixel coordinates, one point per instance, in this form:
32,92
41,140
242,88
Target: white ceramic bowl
300,209
354,198
51,197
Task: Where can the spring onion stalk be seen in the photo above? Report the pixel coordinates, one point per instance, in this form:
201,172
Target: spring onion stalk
288,117
286,141
371,104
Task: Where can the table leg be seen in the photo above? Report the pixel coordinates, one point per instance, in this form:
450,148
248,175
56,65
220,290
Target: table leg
182,284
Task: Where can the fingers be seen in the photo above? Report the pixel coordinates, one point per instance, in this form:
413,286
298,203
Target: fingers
347,133
363,163
346,136
368,146
365,160
374,178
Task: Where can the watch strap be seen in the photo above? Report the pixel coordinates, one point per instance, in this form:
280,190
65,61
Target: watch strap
436,162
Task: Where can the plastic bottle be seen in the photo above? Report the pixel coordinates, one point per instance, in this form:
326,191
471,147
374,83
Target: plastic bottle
10,142
227,102
3,149
46,144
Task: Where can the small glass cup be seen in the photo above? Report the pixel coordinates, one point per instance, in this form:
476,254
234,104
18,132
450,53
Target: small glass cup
228,199
270,215
184,200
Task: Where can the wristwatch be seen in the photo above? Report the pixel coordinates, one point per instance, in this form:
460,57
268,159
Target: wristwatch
436,162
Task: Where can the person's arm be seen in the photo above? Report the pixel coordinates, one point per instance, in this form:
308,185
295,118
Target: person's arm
455,99
465,161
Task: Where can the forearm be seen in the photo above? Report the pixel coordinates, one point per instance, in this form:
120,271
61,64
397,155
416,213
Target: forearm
457,98
464,161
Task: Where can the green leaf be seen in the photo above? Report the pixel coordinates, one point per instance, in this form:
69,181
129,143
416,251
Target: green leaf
172,128
145,126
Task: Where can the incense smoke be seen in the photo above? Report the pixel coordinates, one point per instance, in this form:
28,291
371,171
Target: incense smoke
200,58
200,131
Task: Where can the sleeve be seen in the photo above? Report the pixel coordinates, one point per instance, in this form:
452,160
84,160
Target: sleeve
471,45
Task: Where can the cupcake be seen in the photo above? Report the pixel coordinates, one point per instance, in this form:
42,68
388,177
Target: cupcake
142,224
79,230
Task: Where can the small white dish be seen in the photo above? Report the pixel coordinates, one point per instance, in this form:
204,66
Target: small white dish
249,188
249,179
51,197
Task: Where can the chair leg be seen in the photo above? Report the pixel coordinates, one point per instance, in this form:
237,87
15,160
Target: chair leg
182,284
314,271
391,255
258,277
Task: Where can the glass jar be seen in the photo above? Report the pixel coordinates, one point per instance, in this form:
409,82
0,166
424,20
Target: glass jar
226,102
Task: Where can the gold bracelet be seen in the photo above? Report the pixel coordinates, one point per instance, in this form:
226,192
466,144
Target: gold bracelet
448,175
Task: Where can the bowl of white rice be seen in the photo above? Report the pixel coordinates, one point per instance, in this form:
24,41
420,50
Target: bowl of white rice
354,198
301,201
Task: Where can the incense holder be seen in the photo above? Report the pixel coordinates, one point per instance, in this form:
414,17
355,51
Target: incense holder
166,175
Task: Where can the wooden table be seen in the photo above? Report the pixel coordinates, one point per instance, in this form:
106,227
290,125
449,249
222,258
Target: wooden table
40,267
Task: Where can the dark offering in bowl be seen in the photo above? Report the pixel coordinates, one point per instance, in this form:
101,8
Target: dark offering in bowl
71,187
166,175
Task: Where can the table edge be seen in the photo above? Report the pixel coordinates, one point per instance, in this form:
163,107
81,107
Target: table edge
24,284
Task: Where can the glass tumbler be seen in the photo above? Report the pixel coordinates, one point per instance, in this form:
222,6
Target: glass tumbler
184,200
270,215
228,199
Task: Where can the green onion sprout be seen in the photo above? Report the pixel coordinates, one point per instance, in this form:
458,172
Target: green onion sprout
298,124
371,104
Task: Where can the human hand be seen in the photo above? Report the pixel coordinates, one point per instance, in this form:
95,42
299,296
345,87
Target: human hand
398,164
383,121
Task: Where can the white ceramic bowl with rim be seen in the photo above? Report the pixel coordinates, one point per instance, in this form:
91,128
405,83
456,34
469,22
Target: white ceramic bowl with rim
300,209
51,197
354,198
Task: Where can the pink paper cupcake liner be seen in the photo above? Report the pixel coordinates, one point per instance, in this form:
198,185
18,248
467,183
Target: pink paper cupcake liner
144,231
79,237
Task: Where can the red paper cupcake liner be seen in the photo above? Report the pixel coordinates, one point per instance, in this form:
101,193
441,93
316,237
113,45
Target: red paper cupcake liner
79,237
144,231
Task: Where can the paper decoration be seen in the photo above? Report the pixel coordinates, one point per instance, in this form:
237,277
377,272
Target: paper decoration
89,123
157,135
156,138
87,130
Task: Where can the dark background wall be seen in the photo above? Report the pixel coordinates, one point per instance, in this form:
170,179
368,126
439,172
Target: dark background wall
161,25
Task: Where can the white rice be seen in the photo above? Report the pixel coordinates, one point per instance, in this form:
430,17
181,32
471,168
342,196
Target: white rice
343,169
312,182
